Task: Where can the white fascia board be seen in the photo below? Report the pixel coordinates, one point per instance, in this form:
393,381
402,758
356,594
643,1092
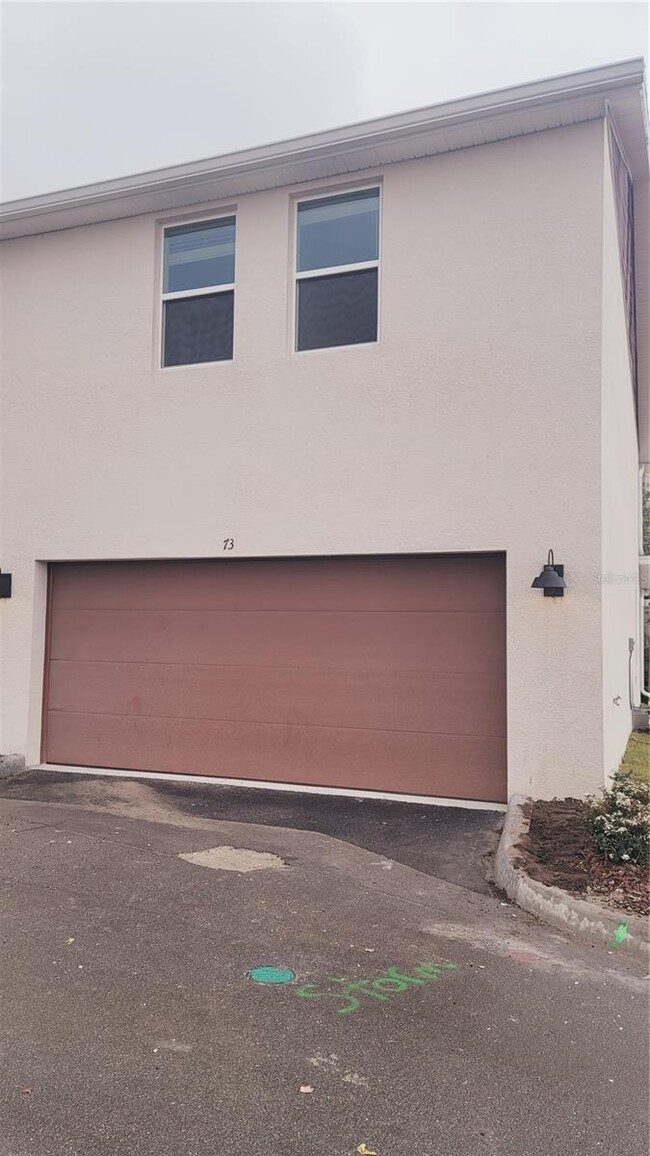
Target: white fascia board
568,99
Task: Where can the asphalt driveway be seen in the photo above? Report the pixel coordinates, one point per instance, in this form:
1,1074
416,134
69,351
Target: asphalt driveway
450,843
424,1018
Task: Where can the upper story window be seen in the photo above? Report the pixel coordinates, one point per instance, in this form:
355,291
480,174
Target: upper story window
337,270
198,292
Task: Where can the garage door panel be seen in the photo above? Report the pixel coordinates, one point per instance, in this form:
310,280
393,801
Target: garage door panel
380,584
384,673
382,700
330,756
461,642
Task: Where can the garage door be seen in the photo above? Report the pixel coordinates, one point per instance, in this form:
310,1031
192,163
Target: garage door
378,673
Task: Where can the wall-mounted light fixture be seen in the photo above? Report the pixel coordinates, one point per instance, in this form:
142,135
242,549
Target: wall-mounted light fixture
551,579
5,585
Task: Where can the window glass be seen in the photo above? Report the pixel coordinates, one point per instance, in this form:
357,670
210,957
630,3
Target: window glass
199,256
198,329
340,309
339,230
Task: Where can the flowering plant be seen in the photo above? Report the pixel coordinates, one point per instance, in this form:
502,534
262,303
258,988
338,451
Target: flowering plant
619,820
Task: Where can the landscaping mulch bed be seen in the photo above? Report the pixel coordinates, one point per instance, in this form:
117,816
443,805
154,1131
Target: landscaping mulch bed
558,851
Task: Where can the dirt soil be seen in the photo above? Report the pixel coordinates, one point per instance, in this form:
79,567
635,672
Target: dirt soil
558,851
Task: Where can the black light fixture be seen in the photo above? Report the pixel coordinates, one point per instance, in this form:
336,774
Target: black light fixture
5,585
551,579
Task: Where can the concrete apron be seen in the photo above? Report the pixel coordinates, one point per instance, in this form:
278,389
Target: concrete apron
590,921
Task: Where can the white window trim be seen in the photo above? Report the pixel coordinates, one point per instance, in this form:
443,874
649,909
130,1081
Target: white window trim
332,270
204,291
209,291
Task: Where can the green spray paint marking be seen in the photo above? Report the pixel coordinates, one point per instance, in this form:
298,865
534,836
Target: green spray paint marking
620,935
271,974
382,988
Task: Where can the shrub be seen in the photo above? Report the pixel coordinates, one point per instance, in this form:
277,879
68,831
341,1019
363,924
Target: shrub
619,821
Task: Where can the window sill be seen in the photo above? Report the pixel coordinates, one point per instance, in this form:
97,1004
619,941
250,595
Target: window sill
195,365
337,348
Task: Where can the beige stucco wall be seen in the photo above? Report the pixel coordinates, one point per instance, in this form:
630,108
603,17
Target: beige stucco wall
474,424
621,500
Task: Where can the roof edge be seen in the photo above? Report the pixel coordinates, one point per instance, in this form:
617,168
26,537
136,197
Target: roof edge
601,81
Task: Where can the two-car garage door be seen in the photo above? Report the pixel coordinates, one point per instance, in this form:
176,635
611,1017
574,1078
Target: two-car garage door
383,673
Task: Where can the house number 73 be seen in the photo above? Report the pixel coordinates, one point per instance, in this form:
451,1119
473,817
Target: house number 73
229,543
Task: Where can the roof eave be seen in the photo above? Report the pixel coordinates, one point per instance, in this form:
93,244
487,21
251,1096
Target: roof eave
456,124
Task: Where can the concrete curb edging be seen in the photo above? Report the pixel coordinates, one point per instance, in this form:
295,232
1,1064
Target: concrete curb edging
588,920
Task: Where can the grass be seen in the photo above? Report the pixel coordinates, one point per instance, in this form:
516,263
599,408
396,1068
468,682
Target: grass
636,760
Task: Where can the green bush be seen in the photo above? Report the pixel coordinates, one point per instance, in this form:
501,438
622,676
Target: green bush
619,821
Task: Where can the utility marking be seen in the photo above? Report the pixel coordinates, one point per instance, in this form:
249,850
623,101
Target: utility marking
271,975
620,935
390,982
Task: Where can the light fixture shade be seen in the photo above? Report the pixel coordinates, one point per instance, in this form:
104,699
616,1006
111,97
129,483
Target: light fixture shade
549,579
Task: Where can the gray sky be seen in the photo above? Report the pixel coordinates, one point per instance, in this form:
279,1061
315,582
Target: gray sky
98,90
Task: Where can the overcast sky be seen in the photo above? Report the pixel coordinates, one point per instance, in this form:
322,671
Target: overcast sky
93,90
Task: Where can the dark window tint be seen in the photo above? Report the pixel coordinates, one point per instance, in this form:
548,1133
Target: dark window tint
199,256
337,310
338,230
199,329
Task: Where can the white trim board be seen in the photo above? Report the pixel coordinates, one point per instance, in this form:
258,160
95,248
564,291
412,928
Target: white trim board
345,792
572,98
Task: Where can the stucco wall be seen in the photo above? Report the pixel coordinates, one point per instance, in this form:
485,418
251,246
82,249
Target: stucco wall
620,490
473,425
642,278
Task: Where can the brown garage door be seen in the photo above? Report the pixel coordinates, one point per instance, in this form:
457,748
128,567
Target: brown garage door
384,673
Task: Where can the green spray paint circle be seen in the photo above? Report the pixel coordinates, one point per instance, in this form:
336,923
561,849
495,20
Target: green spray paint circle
271,975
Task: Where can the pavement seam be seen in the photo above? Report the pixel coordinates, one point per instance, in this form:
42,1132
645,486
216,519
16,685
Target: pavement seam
354,856
97,838
354,868
328,868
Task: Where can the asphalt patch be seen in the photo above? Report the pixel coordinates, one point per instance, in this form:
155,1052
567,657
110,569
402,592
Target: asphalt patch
449,843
